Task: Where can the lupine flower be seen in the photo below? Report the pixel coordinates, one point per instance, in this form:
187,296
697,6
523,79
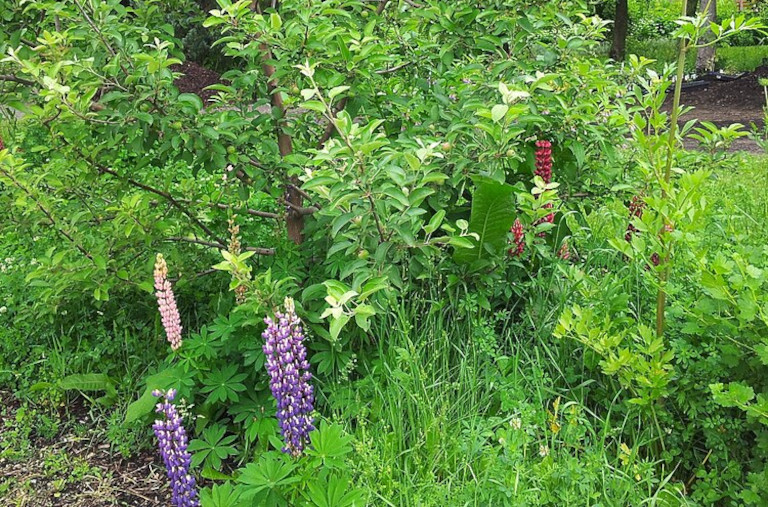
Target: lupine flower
2,146
544,171
172,442
636,207
166,303
235,249
289,378
549,219
518,240
544,160
565,252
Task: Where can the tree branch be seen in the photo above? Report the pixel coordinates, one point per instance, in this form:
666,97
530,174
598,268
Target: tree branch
295,221
331,127
381,7
14,79
48,215
165,195
301,210
393,69
219,246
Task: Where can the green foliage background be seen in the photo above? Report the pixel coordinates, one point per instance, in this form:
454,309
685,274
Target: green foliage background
400,138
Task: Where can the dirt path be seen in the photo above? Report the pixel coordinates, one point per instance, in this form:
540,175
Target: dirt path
41,466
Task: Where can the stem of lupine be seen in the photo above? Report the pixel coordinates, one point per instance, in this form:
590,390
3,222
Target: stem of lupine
661,297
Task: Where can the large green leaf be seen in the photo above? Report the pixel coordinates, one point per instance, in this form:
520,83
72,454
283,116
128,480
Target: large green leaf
144,405
88,382
493,206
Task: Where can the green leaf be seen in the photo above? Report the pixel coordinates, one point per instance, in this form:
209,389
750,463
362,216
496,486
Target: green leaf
492,215
140,407
87,382
343,48
337,90
270,472
337,324
314,105
498,112
191,99
144,405
274,21
435,222
330,445
362,314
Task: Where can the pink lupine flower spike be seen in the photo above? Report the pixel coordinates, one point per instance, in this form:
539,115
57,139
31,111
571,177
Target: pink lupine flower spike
166,303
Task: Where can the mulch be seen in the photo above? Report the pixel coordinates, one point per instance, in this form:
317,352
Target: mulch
106,479
195,79
726,102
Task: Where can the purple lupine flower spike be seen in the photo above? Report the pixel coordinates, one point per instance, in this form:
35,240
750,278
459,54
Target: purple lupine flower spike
172,442
289,377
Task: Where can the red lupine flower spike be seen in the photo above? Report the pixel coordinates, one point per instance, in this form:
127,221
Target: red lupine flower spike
544,160
518,239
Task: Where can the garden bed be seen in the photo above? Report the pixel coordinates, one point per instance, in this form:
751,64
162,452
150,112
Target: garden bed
70,466
726,102
195,78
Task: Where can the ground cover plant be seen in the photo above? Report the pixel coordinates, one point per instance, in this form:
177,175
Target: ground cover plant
397,253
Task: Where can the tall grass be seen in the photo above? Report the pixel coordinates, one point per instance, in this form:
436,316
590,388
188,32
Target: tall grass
435,413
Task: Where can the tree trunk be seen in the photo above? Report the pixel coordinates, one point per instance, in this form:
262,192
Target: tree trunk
620,28
705,59
692,6
294,219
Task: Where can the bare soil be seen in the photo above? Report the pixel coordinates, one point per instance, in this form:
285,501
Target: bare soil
726,102
73,468
195,79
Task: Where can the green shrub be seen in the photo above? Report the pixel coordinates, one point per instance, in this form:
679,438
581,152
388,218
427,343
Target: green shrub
741,58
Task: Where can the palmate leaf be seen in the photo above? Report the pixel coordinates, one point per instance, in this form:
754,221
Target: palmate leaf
222,495
329,445
493,212
213,447
224,384
334,491
267,480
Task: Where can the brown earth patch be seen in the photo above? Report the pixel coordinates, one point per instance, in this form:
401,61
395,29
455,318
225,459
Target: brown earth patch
195,79
72,468
726,102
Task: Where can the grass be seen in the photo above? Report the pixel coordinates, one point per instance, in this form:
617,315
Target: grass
742,202
731,59
741,58
461,409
